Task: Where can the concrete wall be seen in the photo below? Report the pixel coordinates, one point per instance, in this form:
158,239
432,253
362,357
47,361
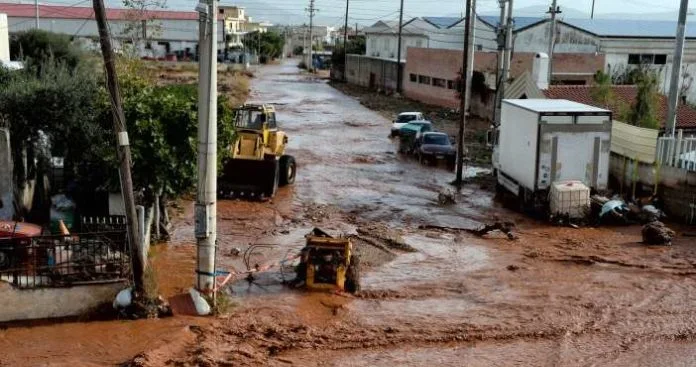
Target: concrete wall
4,39
676,187
372,72
6,194
44,303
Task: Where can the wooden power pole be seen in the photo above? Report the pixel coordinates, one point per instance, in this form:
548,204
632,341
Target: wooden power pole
311,10
398,48
463,93
345,43
122,147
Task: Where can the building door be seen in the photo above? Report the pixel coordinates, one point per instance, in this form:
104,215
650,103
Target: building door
372,80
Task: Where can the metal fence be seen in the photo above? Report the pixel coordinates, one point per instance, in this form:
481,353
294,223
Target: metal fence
677,151
103,224
60,261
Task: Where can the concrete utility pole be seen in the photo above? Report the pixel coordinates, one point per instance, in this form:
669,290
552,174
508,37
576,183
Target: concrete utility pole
676,70
122,148
398,48
463,93
36,11
345,43
206,205
311,10
553,10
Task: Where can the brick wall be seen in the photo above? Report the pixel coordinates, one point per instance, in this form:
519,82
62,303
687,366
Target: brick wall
425,64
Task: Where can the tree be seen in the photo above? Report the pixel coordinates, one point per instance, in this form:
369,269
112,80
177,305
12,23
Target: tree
601,91
37,47
142,25
644,112
354,46
269,44
58,102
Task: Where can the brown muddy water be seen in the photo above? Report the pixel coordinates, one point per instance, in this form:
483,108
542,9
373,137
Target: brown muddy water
555,296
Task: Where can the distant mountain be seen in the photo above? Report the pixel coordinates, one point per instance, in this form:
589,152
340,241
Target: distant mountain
571,13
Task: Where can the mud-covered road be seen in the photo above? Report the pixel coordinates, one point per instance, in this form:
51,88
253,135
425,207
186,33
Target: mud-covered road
553,297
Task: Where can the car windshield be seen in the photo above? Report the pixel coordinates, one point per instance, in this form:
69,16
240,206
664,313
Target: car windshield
406,118
249,119
436,139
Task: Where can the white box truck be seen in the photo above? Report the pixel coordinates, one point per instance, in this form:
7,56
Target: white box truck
540,142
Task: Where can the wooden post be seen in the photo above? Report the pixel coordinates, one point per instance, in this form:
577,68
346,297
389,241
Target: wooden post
123,147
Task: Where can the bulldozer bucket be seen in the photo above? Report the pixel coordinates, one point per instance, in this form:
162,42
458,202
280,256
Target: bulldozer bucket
248,178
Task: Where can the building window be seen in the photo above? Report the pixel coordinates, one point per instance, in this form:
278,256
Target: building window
660,59
422,79
479,47
647,59
450,84
440,83
413,77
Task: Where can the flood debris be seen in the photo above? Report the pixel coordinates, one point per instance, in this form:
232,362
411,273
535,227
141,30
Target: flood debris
656,233
504,227
446,197
131,305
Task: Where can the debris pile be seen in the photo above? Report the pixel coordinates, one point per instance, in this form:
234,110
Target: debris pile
446,197
656,233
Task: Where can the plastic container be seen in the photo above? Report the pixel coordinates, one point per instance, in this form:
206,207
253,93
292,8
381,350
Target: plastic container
571,198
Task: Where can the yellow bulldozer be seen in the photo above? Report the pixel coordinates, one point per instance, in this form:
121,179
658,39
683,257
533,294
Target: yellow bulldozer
328,264
258,164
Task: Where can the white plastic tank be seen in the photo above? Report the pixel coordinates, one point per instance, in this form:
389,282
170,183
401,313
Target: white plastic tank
571,198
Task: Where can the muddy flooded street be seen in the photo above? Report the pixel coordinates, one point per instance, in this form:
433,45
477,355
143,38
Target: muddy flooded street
553,296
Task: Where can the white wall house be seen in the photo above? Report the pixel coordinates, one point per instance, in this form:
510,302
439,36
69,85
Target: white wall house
168,31
428,32
625,43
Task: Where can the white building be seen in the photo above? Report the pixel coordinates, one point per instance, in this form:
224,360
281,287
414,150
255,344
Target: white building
237,24
626,43
428,32
166,32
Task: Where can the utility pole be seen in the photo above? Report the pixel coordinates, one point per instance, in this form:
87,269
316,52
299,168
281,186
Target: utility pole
553,10
592,12
36,11
500,82
312,10
673,106
398,48
206,205
122,148
345,43
463,93
472,46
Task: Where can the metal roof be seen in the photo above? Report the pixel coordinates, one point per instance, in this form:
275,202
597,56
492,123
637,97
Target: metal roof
520,22
443,22
630,28
554,105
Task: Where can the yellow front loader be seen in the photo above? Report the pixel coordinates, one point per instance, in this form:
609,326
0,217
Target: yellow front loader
258,164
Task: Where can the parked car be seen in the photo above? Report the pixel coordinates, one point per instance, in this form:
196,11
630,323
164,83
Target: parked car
434,147
410,134
403,119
